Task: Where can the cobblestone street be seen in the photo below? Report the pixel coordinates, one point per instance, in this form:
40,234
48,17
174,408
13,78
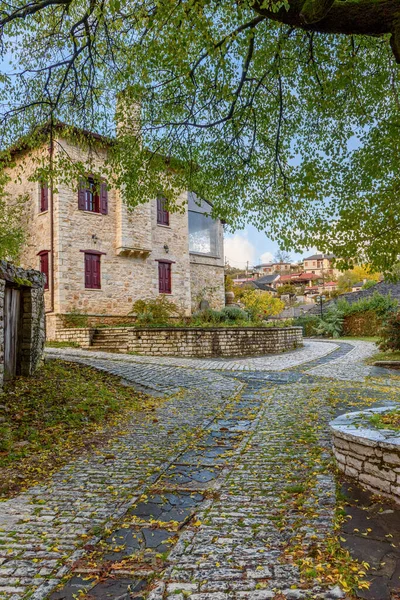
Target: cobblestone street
198,499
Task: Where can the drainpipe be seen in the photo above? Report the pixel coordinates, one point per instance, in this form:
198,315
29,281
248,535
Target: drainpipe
51,197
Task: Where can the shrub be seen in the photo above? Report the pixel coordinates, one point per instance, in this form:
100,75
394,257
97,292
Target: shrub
261,305
278,323
309,323
207,316
331,325
155,311
233,313
381,305
391,333
75,319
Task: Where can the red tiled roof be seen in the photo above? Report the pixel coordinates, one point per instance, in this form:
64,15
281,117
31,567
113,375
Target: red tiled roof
307,277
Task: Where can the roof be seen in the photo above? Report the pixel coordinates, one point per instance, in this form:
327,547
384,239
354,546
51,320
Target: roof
319,256
288,277
307,277
331,283
264,287
272,264
24,142
359,284
269,278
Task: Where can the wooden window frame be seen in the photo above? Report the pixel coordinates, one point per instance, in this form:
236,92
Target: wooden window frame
162,212
165,264
44,260
44,198
93,200
89,285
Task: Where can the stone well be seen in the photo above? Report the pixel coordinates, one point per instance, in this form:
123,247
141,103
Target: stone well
367,454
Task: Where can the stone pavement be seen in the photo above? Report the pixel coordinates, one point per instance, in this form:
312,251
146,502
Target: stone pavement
202,498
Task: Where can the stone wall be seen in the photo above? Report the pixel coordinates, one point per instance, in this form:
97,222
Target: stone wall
82,336
31,328
190,342
370,456
207,282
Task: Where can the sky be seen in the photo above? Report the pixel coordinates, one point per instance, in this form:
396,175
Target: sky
253,246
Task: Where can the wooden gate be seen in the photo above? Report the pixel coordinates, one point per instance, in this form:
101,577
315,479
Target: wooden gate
12,311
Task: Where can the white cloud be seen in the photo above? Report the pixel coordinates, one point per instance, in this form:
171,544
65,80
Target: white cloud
266,257
239,250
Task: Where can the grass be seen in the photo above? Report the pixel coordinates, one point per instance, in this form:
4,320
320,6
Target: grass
389,420
360,338
389,355
63,410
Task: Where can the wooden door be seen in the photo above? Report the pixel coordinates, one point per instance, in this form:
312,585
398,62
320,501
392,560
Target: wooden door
12,309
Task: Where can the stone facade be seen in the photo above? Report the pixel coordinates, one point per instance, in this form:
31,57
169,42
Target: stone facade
30,318
194,342
130,242
370,456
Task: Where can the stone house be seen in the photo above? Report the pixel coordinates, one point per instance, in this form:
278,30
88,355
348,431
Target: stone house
321,265
21,321
276,267
99,257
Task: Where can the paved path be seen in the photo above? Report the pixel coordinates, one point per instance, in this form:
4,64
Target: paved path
199,499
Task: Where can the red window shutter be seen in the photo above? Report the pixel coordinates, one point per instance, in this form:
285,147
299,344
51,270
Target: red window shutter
44,197
82,194
44,267
162,213
96,271
164,278
88,270
92,271
103,198
159,210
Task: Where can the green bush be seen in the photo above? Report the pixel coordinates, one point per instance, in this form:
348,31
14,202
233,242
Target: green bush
233,313
309,323
278,323
390,333
331,325
75,319
155,311
208,316
381,305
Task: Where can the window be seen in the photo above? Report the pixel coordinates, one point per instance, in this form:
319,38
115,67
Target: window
203,229
92,271
162,212
202,234
93,198
44,266
44,197
164,277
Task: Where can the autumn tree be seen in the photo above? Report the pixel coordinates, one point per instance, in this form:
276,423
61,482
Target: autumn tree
356,275
283,113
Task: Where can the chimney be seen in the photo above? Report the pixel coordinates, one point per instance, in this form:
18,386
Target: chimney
128,113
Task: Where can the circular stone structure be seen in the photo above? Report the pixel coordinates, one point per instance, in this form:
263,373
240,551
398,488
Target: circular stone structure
367,454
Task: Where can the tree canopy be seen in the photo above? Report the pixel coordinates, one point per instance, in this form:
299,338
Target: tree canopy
282,113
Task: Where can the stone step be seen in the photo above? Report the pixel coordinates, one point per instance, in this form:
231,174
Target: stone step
120,349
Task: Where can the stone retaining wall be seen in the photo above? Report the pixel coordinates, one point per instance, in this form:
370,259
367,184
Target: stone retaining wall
82,336
370,456
189,342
